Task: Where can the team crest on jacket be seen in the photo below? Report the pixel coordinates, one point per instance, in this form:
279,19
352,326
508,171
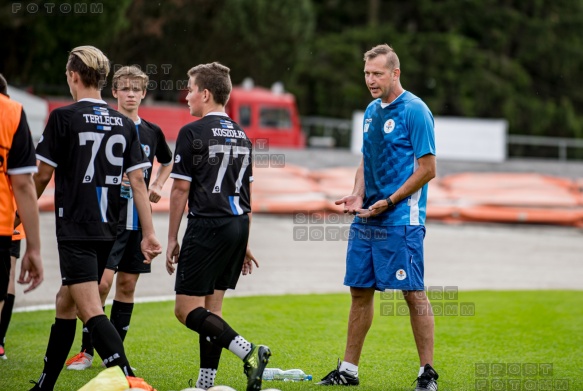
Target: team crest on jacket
389,126
146,149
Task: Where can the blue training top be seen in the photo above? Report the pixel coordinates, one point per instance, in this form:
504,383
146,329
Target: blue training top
395,136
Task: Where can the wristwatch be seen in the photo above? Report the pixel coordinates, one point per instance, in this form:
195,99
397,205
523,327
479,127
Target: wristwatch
390,203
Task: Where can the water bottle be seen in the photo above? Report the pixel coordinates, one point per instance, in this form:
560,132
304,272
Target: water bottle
288,375
126,190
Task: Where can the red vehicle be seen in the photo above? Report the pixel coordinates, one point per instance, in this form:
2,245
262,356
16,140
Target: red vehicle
267,115
270,117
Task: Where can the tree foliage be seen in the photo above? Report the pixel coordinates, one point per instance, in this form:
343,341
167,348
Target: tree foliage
514,59
37,35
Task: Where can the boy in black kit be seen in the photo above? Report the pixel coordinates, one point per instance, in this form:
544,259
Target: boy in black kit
89,147
129,87
212,171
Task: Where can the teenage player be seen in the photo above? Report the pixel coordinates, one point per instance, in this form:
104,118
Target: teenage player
129,87
88,146
212,171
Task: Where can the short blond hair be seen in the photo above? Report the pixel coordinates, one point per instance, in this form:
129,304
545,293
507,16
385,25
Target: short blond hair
384,50
132,72
91,64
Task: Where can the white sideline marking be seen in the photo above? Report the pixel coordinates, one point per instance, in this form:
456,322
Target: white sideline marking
42,307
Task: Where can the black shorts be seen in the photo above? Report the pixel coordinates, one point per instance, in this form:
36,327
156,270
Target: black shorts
4,265
212,255
82,261
15,249
126,254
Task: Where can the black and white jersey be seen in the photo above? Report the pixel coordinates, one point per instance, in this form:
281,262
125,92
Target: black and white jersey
153,143
90,145
214,154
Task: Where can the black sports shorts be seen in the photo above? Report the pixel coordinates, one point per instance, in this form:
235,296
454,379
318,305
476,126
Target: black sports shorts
126,254
82,261
212,254
15,249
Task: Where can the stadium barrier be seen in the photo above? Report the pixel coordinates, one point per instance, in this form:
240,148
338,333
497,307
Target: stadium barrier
458,198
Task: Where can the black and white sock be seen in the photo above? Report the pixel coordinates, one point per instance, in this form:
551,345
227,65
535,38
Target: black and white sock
206,378
60,343
121,314
108,343
240,346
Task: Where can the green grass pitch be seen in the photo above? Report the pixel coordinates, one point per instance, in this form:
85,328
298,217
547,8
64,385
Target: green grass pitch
509,335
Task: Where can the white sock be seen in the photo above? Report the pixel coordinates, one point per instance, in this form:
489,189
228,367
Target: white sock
421,371
240,346
348,367
206,378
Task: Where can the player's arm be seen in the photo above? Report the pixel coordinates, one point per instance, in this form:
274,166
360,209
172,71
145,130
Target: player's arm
424,173
178,199
353,203
31,271
150,245
42,177
162,174
249,257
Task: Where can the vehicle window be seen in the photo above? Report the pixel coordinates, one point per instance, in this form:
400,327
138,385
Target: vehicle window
244,116
275,117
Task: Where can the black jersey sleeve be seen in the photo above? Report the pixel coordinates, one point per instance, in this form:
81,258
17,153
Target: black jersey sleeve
51,146
21,159
134,158
163,152
183,155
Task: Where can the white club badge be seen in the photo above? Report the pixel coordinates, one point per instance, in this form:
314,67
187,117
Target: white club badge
401,274
177,159
146,149
389,126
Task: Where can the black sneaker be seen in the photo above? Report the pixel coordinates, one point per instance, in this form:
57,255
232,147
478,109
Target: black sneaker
428,380
36,387
254,364
339,378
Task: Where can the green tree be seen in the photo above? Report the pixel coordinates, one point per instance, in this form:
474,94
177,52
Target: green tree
495,58
37,35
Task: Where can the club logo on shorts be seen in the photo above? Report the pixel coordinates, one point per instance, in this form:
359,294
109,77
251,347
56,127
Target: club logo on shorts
389,126
177,159
401,274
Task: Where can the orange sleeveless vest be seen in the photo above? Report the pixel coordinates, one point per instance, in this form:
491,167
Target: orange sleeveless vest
10,112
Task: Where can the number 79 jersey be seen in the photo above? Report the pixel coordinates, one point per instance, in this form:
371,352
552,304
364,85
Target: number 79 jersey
214,155
90,145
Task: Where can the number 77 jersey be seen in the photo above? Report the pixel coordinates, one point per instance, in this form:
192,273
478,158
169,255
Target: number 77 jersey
214,155
90,145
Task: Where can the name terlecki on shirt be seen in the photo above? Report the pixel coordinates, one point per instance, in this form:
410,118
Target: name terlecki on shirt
215,154
90,145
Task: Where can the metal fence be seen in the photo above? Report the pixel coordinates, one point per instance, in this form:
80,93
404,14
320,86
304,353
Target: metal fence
335,132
